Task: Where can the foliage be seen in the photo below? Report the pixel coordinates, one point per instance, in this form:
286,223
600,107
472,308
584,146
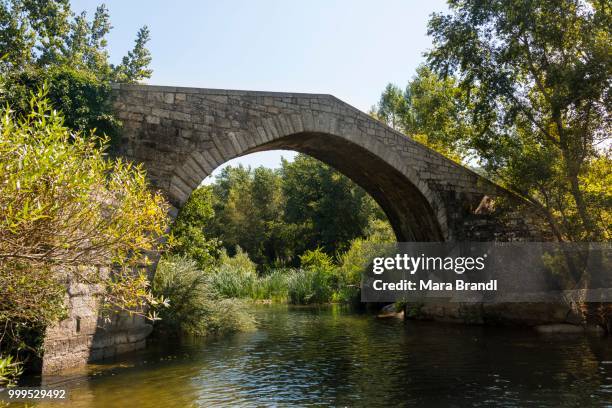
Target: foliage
10,370
327,208
249,209
30,294
392,108
430,110
64,204
313,285
45,42
353,262
316,259
596,182
195,307
30,298
274,285
134,66
277,215
315,282
235,275
319,280
187,235
537,75
83,99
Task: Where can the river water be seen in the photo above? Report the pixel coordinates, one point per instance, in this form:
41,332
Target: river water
330,356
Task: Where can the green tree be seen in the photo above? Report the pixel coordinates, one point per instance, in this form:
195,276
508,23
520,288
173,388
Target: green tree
537,75
249,207
430,111
44,42
276,215
328,209
392,108
188,235
32,32
134,66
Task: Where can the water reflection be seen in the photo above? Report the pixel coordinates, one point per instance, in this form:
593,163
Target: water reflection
330,356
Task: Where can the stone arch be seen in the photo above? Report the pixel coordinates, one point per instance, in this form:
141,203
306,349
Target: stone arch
413,209
182,134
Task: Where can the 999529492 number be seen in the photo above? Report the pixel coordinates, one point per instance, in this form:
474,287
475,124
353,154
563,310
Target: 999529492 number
23,393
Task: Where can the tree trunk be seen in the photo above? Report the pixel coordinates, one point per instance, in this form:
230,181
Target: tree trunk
589,226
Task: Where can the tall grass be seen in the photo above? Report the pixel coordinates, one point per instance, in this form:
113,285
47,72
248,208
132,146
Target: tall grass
236,276
273,285
309,286
10,371
205,302
195,305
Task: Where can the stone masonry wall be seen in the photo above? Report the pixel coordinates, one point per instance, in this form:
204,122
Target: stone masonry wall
84,335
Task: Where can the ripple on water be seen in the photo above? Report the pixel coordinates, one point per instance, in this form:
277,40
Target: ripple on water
330,356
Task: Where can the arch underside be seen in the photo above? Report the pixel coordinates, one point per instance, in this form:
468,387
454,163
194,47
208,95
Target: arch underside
408,211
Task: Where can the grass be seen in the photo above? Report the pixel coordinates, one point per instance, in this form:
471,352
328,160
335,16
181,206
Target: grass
195,305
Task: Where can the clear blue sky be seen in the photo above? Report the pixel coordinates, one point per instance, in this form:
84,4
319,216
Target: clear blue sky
348,48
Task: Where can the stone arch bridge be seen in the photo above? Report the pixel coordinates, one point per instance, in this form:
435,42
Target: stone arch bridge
182,134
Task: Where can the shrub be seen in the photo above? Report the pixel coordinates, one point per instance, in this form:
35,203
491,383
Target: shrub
65,204
195,306
309,286
315,282
83,98
187,235
316,259
273,286
235,275
353,262
10,370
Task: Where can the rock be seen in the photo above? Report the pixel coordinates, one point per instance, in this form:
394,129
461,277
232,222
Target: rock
398,315
390,311
390,308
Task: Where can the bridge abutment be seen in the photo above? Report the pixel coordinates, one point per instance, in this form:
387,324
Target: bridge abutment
86,335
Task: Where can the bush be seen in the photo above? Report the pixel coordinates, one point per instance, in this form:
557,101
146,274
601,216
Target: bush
273,285
187,235
316,259
235,275
195,306
310,286
65,204
83,98
318,281
353,262
315,282
10,370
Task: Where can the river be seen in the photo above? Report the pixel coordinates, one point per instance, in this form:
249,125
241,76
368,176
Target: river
330,356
